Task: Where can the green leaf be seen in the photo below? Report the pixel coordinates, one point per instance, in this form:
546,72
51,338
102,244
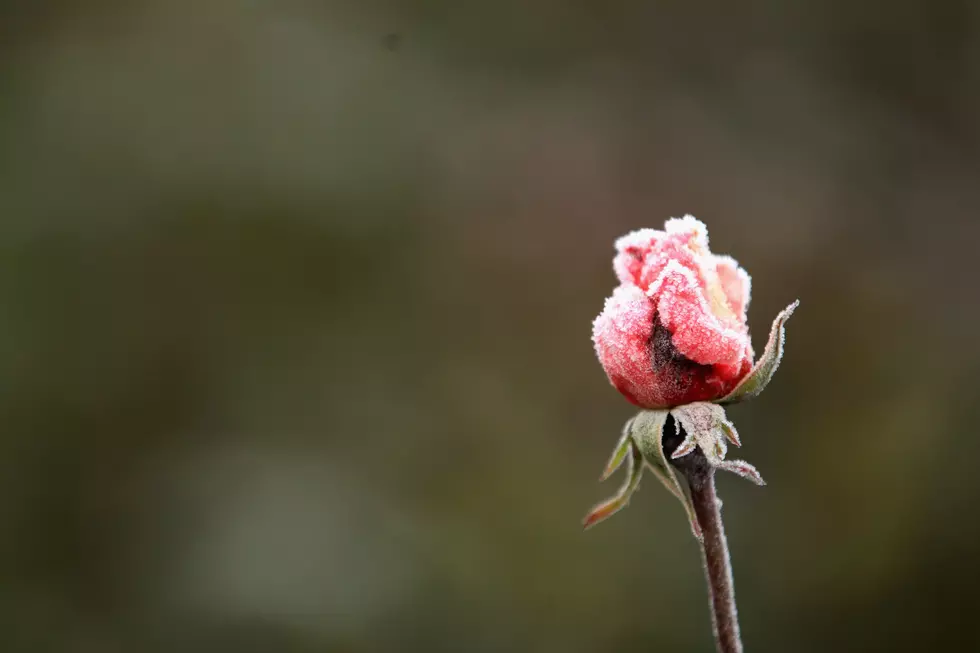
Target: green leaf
619,454
743,469
606,509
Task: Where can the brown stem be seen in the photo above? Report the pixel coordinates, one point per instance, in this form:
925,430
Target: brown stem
717,565
714,554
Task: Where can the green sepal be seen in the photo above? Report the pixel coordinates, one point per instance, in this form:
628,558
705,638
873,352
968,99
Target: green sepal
647,432
757,380
606,509
619,454
709,429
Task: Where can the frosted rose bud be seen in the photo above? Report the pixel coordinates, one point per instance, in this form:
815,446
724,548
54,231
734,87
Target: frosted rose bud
673,339
674,332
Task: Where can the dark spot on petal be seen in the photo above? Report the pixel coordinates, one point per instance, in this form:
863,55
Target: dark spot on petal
663,353
671,366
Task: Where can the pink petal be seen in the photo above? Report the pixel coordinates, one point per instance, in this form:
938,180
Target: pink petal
696,332
736,283
631,251
689,230
621,335
669,249
675,331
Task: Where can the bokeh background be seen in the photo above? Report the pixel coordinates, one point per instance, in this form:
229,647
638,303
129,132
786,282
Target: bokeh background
295,311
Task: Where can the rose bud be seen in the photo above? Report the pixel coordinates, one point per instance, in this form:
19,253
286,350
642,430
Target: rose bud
674,340
674,332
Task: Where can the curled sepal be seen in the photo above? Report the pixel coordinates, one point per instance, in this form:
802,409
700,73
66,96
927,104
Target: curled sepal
646,431
729,429
757,380
619,453
609,507
743,469
706,427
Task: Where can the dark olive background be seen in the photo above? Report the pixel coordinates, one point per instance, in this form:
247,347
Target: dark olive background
296,297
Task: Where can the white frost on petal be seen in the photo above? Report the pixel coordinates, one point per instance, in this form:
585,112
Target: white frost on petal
637,238
697,331
736,283
688,224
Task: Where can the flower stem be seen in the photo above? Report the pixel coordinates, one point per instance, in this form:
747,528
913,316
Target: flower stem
714,550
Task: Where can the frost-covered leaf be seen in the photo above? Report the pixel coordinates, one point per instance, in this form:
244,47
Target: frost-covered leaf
707,425
647,432
702,422
606,509
686,446
757,380
619,454
743,469
730,432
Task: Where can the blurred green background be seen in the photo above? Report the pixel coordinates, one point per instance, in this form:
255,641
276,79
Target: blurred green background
296,301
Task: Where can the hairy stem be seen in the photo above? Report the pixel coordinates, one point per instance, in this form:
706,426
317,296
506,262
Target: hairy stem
714,547
717,563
